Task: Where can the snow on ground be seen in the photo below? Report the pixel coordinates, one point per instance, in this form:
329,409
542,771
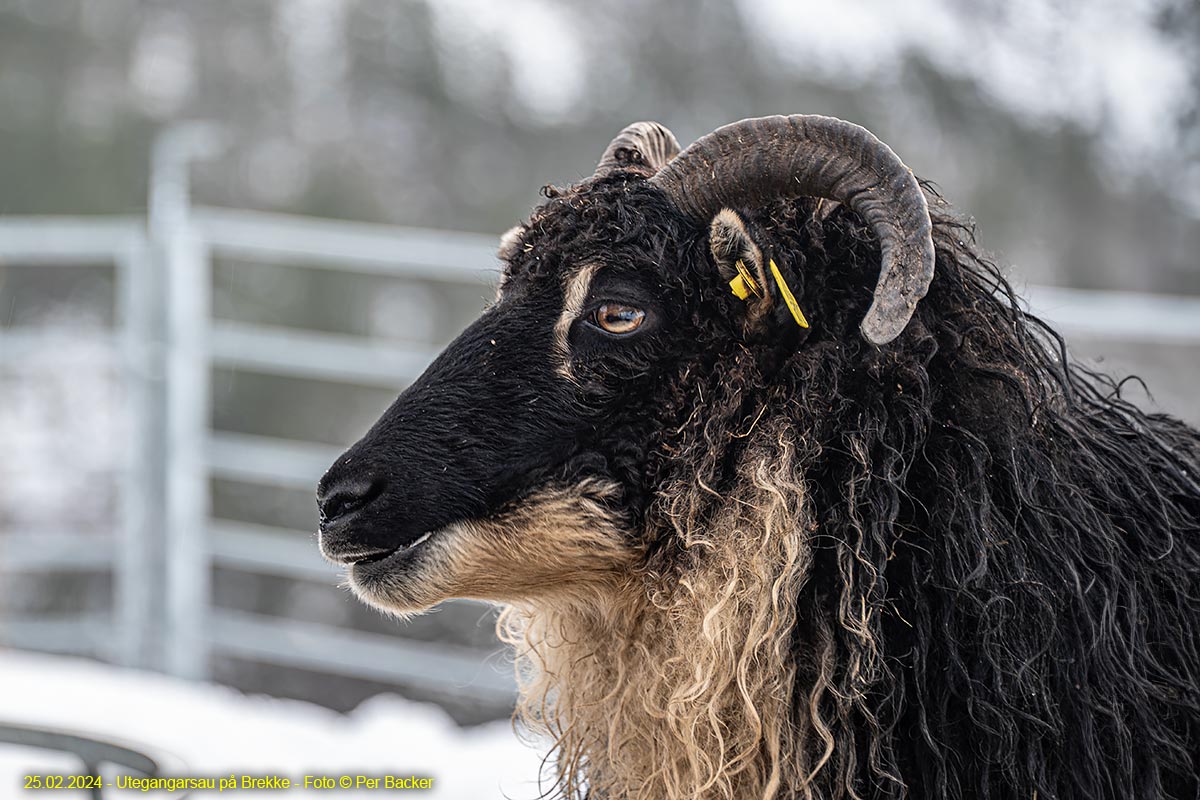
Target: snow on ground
216,731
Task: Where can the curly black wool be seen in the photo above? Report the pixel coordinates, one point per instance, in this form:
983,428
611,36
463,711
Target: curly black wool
1005,585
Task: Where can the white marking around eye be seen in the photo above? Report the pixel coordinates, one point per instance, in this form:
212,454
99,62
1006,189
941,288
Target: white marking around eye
575,291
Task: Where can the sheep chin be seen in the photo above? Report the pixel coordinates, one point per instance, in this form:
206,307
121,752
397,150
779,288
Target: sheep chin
560,543
407,582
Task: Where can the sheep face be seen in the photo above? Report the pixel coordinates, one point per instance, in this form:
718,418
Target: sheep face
520,464
529,459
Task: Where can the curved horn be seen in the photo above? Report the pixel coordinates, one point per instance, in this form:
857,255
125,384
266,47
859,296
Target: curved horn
755,161
642,146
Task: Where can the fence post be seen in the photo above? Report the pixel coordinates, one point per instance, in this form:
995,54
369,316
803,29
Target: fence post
137,569
184,259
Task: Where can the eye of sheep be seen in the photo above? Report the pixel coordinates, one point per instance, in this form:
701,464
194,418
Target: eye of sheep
617,319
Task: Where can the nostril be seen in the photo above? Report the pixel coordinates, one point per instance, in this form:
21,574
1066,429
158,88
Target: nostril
343,499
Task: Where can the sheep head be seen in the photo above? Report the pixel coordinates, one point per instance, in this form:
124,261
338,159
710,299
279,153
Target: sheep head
522,464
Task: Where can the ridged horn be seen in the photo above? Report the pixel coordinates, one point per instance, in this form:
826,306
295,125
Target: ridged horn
645,147
755,161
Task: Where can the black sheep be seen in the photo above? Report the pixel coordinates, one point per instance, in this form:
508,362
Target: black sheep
763,533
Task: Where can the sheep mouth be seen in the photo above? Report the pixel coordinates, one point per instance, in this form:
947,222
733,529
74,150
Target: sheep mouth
386,560
374,557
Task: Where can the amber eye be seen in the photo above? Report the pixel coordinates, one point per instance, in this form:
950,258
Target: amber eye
618,319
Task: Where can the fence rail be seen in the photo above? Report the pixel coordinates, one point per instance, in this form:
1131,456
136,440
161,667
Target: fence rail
1128,316
319,356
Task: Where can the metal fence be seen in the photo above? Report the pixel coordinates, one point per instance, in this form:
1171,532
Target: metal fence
120,243
168,344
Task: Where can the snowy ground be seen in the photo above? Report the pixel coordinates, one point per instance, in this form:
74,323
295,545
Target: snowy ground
216,731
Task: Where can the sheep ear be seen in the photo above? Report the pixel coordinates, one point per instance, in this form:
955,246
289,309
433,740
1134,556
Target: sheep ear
510,242
510,245
730,243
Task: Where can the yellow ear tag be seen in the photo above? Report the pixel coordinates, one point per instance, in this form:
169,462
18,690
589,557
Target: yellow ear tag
743,284
788,297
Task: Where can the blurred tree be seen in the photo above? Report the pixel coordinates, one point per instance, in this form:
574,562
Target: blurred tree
451,114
